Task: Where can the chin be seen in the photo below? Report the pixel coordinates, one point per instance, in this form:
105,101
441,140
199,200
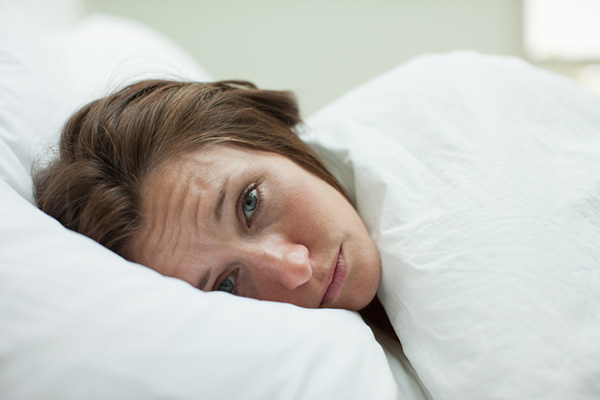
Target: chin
364,284
362,298
366,301
369,292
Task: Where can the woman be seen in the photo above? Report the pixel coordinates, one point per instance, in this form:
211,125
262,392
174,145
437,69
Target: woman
207,182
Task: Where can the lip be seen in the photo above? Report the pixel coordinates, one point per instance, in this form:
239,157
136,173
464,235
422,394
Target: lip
337,276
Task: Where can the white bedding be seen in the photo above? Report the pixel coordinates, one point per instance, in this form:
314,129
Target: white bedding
79,322
479,179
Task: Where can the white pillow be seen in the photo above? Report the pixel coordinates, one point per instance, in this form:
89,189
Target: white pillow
479,180
80,322
102,53
48,74
77,321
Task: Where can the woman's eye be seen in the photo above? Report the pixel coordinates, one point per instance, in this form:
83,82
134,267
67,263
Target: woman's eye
249,203
228,284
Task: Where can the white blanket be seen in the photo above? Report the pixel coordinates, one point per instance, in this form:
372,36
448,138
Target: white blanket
479,179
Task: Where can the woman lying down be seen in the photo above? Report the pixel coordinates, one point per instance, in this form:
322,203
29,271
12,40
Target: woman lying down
208,183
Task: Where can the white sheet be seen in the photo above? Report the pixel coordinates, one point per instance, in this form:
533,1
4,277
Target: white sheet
479,180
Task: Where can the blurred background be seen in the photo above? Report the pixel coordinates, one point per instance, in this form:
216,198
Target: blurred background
320,49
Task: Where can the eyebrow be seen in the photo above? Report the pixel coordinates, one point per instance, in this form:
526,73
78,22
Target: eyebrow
218,211
204,280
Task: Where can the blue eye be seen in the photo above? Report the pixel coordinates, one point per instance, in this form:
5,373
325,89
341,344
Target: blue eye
249,203
228,284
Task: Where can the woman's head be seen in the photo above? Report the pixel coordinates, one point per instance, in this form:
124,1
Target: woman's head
147,170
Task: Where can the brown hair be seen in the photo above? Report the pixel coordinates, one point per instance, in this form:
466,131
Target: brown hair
110,145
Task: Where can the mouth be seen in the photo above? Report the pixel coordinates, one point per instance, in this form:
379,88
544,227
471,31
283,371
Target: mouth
336,279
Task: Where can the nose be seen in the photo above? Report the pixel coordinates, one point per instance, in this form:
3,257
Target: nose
287,263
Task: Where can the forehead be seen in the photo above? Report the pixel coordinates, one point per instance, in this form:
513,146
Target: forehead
211,163
204,173
171,195
184,187
198,169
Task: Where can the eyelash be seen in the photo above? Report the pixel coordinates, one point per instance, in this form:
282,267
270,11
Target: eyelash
234,290
259,202
255,212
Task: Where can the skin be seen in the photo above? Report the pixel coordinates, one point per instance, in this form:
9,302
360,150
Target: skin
279,234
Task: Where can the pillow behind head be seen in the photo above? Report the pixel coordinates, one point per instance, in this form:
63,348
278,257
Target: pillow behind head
80,322
46,75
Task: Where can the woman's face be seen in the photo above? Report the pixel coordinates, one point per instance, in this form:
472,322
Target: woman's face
257,225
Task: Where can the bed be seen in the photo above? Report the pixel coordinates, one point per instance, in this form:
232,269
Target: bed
477,176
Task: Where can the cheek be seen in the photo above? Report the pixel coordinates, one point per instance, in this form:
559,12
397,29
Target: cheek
301,297
308,220
313,212
298,204
314,198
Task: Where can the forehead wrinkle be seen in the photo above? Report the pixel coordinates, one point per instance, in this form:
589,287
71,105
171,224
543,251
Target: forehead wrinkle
162,208
176,220
218,210
196,168
196,207
149,199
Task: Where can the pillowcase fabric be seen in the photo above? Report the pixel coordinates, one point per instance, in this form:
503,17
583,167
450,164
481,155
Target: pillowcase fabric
77,321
